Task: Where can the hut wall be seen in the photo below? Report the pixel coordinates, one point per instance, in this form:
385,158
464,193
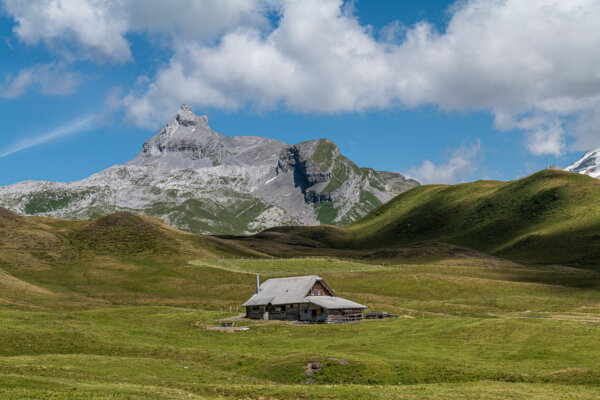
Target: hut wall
255,312
302,312
287,312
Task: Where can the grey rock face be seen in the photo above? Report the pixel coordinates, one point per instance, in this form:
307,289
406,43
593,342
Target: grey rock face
325,176
187,141
202,181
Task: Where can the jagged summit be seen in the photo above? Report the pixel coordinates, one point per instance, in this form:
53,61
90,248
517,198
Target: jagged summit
187,141
186,117
589,164
202,181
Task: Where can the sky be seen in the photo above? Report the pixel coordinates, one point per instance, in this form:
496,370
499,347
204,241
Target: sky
441,91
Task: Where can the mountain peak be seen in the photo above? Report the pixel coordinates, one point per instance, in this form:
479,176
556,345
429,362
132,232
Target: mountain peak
589,164
187,141
186,117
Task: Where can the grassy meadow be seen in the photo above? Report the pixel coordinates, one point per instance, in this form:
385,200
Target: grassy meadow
118,308
547,218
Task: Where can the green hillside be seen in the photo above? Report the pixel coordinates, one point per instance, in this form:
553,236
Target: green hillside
118,308
551,217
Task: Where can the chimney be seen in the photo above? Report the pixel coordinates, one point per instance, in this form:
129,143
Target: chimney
257,284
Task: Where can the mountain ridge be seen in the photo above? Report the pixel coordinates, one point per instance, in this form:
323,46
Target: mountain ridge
202,181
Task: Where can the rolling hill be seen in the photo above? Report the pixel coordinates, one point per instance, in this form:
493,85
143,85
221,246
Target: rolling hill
551,217
116,308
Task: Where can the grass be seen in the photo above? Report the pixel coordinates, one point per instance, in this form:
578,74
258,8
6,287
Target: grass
323,153
82,316
136,351
549,217
285,267
326,212
53,200
207,215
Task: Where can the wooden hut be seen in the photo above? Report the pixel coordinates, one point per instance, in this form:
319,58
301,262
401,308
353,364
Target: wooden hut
300,298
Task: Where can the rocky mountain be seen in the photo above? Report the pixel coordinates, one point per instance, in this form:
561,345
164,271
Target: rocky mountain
589,164
202,181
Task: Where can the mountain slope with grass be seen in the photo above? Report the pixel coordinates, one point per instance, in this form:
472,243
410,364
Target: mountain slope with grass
46,262
126,306
549,217
202,181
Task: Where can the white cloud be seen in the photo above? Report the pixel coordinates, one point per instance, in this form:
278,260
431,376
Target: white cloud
511,57
97,29
515,58
72,128
460,166
198,20
50,79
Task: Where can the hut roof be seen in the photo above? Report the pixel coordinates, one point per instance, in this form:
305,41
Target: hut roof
294,290
333,303
283,291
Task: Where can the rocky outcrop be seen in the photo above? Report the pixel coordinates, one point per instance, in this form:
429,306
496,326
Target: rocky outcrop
324,175
202,181
308,173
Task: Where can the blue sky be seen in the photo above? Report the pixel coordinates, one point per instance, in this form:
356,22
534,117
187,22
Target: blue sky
440,91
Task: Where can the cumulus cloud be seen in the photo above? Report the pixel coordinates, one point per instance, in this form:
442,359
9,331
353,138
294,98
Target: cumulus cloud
50,79
460,165
197,20
97,29
532,64
513,58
